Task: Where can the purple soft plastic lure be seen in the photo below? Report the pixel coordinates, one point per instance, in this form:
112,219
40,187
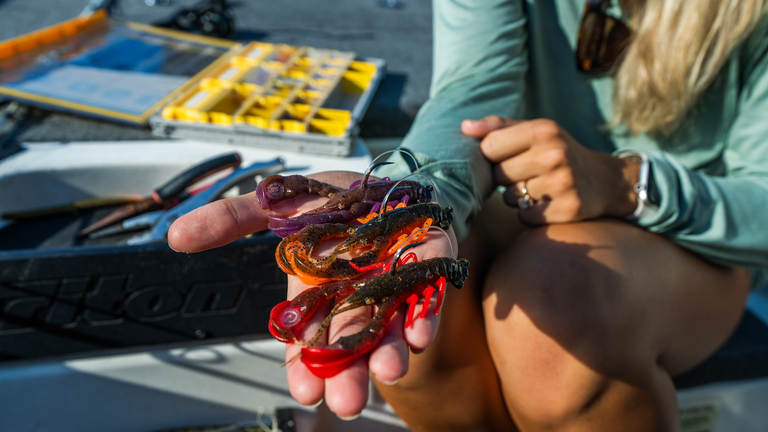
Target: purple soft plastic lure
362,197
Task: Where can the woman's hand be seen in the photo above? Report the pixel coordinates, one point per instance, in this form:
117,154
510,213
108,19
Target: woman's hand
566,181
346,394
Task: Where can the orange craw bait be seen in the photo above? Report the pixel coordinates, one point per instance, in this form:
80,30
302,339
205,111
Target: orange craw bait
383,236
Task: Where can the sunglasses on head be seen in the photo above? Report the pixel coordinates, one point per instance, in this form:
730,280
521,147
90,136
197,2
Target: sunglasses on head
602,39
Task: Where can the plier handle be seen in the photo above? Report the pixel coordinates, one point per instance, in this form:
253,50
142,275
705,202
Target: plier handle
166,196
159,231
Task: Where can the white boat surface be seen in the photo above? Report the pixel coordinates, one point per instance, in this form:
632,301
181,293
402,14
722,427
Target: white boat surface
225,381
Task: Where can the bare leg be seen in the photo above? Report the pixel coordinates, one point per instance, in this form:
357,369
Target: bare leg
453,385
586,322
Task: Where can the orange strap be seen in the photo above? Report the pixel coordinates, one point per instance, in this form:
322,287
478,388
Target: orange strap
21,44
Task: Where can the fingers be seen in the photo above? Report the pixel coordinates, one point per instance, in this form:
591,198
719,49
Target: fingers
217,224
535,187
346,394
424,330
544,158
508,142
560,205
481,128
224,221
533,162
389,361
304,386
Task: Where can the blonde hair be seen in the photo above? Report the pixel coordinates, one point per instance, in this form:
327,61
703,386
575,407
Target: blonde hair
677,51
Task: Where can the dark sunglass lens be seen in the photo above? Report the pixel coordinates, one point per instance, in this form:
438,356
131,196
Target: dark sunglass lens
616,39
590,36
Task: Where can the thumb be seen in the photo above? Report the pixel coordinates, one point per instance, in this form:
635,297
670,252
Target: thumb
217,224
226,220
481,128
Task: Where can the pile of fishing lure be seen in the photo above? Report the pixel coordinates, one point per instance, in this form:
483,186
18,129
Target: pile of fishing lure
385,230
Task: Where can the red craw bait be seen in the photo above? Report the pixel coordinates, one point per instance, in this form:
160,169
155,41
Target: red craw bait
290,316
404,283
383,235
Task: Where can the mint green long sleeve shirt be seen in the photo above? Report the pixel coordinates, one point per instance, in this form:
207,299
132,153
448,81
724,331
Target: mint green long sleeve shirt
515,60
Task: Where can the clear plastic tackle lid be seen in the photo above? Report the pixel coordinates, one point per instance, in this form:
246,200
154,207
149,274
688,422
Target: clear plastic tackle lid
111,69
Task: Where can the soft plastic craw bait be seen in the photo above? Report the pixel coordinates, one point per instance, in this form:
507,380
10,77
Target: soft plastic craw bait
362,197
382,236
405,282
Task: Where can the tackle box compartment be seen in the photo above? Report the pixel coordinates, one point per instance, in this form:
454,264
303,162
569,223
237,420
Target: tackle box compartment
277,96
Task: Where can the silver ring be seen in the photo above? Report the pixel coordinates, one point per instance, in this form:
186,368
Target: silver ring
525,201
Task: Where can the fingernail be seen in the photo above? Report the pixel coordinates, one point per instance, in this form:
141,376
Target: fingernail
384,382
349,418
315,405
470,122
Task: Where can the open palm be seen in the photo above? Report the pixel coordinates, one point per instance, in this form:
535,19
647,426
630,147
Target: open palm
346,394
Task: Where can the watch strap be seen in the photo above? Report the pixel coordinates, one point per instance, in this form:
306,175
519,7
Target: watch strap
645,207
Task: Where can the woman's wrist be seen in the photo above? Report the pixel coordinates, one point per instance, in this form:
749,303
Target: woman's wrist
647,201
623,197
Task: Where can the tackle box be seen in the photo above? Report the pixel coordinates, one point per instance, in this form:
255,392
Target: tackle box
276,96
188,86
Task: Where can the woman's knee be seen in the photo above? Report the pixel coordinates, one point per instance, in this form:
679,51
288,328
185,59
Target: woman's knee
546,384
559,327
578,308
559,278
543,383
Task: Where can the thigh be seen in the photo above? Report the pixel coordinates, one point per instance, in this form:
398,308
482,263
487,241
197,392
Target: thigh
604,298
453,385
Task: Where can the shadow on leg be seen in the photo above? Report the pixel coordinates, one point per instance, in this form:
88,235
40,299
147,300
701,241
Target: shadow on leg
587,321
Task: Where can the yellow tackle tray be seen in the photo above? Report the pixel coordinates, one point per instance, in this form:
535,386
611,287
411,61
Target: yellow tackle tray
279,96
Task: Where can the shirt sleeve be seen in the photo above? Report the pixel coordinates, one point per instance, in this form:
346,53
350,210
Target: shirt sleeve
724,219
480,60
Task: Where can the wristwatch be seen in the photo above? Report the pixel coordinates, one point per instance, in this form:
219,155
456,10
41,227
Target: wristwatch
645,204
